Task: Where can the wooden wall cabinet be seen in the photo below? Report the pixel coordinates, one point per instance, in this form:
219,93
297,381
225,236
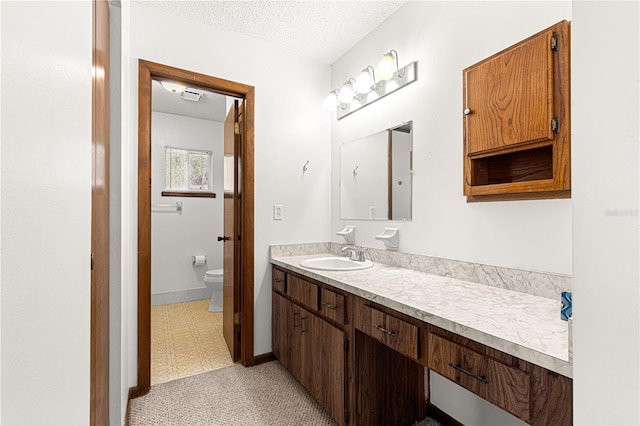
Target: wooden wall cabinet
517,121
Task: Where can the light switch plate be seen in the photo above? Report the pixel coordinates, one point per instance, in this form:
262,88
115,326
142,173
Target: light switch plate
278,212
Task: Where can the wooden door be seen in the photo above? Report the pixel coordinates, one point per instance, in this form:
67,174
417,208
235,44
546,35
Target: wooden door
231,250
510,97
99,387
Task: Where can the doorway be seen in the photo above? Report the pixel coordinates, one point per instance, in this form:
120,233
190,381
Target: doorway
237,239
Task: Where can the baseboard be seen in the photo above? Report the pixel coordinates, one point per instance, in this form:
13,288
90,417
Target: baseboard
261,359
180,296
441,417
133,393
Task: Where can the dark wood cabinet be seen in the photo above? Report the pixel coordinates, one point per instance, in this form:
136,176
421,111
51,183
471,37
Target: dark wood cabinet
502,385
369,364
312,349
532,393
517,121
394,332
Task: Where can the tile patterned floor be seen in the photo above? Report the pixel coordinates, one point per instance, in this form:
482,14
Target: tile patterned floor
186,339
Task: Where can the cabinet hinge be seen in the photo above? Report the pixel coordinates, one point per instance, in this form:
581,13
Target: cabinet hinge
236,318
92,261
346,345
236,128
554,42
346,415
555,125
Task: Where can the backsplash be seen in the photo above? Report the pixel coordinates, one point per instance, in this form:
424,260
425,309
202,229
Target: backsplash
529,282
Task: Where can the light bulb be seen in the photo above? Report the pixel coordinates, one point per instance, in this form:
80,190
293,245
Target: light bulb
346,94
173,86
387,66
364,82
331,101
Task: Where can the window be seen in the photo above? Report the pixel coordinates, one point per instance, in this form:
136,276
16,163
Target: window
188,172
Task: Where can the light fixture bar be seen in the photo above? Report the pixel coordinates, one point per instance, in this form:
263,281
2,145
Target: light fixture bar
382,88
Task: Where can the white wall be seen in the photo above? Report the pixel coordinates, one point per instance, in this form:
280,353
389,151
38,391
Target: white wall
605,123
290,128
176,237
46,212
445,38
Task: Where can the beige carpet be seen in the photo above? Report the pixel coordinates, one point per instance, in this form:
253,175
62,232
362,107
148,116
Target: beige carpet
186,339
265,395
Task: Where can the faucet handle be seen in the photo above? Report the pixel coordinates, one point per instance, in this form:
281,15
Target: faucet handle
361,253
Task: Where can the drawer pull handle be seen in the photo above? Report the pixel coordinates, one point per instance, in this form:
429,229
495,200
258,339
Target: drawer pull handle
329,305
387,332
468,373
302,330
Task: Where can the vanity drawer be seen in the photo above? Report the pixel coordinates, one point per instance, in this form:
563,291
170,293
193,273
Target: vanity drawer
393,332
505,386
303,291
332,305
278,280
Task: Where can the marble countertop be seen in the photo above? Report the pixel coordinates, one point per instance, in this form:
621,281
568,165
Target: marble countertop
528,327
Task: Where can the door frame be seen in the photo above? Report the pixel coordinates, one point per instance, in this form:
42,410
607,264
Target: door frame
147,71
99,322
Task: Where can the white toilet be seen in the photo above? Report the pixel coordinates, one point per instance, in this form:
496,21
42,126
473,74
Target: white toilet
213,280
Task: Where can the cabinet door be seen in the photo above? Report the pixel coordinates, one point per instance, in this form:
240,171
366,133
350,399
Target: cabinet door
329,363
281,329
510,97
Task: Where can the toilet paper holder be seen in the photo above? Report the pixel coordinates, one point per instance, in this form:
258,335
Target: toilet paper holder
199,260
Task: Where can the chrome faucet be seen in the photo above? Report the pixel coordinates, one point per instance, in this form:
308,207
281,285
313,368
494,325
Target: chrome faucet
354,253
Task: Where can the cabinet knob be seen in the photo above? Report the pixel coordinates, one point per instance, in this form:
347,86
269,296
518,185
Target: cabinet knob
467,111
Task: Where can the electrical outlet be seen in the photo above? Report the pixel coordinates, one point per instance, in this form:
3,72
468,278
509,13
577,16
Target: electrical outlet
372,212
278,212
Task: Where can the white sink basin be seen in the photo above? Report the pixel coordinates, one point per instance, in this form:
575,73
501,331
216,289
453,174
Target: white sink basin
336,264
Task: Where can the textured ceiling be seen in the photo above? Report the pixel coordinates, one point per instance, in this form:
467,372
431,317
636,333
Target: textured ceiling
319,30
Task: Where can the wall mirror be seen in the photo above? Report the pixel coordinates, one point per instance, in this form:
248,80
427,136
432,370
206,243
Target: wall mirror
376,175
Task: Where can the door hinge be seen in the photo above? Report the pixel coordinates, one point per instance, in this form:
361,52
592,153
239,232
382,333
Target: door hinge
554,42
346,415
92,261
346,345
236,318
555,125
236,128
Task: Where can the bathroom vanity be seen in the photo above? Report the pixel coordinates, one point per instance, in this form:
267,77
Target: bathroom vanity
363,343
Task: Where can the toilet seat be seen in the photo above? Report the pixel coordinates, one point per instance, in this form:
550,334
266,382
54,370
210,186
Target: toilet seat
215,273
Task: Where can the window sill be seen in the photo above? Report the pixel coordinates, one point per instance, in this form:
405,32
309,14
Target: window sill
188,194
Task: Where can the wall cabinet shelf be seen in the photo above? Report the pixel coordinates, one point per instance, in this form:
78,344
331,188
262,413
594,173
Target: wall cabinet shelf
516,121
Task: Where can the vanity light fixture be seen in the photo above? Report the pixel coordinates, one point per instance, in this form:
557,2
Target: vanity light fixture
365,81
366,88
388,66
331,101
347,94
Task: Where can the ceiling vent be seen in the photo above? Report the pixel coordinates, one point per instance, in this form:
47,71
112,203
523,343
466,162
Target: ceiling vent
191,94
